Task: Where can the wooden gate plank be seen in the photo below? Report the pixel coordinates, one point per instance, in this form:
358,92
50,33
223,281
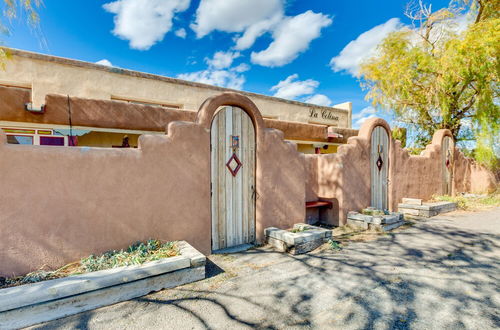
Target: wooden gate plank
379,178
237,183
251,150
222,180
447,147
214,183
233,206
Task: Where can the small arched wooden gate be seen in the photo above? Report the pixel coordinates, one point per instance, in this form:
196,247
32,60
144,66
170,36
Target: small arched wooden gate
232,178
447,164
379,168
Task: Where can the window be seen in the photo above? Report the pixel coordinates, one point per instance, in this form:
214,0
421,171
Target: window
37,137
51,141
19,139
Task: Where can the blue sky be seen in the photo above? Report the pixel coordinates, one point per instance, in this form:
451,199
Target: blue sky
272,47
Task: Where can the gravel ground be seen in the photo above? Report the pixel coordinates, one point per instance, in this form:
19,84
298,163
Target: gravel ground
442,273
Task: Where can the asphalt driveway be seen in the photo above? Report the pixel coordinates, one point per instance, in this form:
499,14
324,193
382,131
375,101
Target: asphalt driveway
443,273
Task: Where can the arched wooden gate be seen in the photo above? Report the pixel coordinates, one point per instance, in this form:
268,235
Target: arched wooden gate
447,164
232,178
379,168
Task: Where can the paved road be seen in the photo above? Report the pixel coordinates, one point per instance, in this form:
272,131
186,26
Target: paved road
442,273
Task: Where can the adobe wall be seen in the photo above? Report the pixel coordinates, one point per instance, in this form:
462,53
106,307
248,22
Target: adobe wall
46,74
344,178
109,114
61,204
470,177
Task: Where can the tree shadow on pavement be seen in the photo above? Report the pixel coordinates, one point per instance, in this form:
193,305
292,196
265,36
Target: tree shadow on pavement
427,276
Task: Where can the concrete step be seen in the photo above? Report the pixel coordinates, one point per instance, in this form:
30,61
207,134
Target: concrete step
427,209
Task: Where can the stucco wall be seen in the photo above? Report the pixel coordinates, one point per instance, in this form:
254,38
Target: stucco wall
63,203
344,178
106,114
53,75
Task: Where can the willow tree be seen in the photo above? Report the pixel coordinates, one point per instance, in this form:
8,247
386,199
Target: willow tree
10,10
442,72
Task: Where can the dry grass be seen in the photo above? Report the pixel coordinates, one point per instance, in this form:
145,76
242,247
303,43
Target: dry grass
349,233
472,202
135,254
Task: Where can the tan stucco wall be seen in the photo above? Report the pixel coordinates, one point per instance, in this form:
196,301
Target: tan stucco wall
53,75
106,115
344,177
63,203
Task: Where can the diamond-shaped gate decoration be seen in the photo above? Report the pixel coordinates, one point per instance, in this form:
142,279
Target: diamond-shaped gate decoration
234,164
448,155
380,162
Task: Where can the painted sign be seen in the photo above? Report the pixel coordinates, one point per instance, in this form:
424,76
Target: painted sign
323,114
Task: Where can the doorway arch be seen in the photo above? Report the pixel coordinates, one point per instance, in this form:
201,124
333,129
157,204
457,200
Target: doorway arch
379,168
233,190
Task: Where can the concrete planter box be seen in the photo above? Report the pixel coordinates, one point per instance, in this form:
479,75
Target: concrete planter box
426,209
29,304
384,222
299,242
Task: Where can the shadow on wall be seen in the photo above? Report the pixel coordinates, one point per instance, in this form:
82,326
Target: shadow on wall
345,176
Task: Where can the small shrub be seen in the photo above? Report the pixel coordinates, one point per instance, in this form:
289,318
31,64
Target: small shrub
135,254
299,230
334,245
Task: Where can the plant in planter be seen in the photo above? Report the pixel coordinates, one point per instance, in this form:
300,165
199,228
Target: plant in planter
136,254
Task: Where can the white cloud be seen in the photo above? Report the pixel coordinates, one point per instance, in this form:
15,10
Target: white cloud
291,37
256,30
250,19
181,33
104,62
291,88
233,15
365,114
144,22
319,99
219,71
222,60
243,67
363,47
222,78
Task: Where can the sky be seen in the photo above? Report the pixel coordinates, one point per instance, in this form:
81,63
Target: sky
307,51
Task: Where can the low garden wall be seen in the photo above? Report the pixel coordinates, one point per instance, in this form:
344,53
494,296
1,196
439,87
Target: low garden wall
344,178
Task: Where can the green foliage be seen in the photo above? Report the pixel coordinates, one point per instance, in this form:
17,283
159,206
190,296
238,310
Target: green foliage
334,245
299,230
135,254
9,11
435,76
399,133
